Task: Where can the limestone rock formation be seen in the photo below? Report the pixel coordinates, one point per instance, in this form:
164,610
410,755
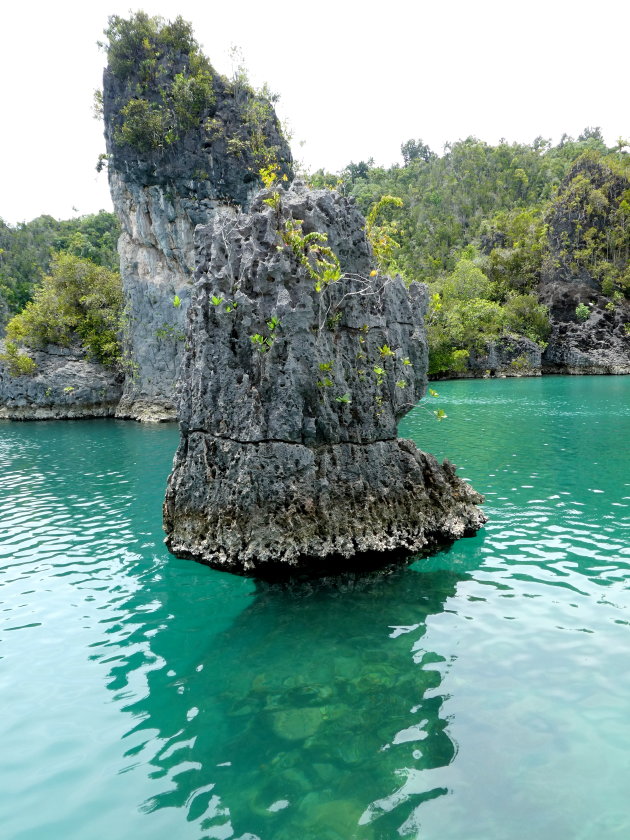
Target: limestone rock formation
65,386
181,141
290,397
589,243
599,345
509,355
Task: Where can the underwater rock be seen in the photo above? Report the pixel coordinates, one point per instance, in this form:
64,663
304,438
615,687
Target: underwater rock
290,394
296,724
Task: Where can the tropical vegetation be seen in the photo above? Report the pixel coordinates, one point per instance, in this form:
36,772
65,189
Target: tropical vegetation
27,250
475,224
79,302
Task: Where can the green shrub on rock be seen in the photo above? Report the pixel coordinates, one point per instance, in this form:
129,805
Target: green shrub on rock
18,364
524,315
582,312
78,302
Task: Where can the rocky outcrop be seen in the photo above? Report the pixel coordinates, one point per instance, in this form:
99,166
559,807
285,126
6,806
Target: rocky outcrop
598,345
587,267
290,395
65,386
509,355
205,153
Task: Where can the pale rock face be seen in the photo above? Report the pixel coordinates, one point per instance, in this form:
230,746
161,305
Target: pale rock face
156,261
160,195
289,458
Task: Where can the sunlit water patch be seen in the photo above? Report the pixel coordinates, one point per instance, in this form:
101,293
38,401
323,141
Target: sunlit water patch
480,693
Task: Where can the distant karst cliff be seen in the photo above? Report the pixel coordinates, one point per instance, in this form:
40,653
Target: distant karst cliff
181,141
300,359
585,280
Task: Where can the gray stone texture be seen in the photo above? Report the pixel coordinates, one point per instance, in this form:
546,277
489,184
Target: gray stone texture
65,386
599,344
509,355
160,196
289,457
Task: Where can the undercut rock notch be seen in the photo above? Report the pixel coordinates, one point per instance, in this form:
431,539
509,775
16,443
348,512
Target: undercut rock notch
289,400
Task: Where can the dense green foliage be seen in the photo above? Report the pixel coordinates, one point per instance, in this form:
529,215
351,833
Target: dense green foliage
168,82
26,252
17,361
483,224
78,301
590,230
160,87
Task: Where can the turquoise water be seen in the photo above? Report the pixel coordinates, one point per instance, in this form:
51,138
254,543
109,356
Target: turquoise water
480,694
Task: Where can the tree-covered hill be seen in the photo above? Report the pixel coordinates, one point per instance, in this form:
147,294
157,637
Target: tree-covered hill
27,250
497,230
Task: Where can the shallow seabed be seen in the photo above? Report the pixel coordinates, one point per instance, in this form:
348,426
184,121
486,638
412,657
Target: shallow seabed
480,694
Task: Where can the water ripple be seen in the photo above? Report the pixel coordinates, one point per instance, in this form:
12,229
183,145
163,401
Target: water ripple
480,693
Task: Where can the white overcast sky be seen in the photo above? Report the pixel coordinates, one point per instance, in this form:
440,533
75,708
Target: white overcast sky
356,80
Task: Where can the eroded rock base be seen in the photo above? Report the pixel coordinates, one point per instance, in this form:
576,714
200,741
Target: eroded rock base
272,509
146,410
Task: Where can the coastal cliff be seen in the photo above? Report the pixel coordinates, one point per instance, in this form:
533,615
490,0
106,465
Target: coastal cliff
300,359
182,141
586,277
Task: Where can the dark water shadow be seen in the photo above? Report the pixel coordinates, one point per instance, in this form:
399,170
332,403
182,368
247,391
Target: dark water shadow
302,716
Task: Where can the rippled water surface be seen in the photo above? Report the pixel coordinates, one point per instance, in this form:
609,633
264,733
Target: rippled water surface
480,694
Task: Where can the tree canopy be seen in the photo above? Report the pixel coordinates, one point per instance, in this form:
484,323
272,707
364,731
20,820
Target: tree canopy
482,224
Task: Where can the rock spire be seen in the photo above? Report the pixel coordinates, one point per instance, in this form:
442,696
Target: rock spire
296,371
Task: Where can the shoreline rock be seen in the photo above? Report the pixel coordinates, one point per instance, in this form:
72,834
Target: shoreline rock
65,386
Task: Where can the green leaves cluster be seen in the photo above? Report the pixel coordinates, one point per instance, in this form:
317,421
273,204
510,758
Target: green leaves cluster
26,252
484,224
381,231
466,313
139,41
495,197
264,343
311,251
77,302
582,312
589,222
167,87
168,82
17,362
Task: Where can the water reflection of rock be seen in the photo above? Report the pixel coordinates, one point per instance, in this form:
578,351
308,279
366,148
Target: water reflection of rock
304,718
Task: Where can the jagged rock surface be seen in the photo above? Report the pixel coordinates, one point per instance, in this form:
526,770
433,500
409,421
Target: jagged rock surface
160,195
289,457
65,386
600,344
510,355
